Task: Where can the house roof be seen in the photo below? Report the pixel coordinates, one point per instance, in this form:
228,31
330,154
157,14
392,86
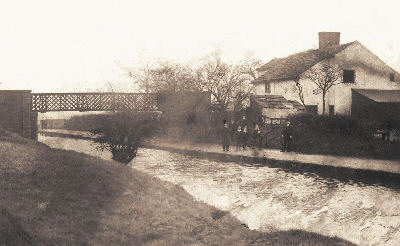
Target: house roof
292,66
276,101
381,96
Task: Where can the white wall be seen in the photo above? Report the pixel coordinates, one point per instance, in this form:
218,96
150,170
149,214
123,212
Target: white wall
288,89
370,73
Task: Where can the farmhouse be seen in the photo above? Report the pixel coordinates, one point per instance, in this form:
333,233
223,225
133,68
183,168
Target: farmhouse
363,81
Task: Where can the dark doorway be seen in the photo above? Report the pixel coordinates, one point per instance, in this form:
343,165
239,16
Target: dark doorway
331,110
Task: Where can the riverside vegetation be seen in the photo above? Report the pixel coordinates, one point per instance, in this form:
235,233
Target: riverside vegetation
123,133
343,135
312,134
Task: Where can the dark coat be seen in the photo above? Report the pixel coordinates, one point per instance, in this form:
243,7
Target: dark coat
226,135
287,133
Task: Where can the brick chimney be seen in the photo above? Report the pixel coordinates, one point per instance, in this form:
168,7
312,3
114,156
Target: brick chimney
328,39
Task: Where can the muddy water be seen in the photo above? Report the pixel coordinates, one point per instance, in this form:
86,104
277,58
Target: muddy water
365,210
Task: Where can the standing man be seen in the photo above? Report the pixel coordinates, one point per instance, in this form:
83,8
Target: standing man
287,135
226,134
245,137
238,137
390,138
257,136
244,134
233,128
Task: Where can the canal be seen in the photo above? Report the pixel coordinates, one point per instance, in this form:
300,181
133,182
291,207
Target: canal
360,207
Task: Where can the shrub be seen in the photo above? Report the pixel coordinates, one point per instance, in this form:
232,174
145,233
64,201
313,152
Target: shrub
340,125
341,135
123,133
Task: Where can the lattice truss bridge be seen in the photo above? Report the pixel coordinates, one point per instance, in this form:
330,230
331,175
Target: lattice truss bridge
43,102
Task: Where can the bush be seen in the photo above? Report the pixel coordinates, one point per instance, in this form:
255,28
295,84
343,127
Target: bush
340,125
123,133
341,135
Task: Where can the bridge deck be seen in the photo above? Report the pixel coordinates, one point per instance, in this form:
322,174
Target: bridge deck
43,102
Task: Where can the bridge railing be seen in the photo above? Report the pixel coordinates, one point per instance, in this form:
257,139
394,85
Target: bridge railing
43,102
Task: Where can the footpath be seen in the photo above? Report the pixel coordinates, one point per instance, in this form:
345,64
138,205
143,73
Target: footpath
214,150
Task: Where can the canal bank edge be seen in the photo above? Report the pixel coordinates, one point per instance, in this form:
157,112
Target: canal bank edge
259,158
269,157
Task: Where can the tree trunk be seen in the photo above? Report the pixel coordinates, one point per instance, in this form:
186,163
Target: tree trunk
300,91
323,103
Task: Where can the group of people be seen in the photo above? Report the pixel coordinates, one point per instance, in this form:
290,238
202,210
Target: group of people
240,134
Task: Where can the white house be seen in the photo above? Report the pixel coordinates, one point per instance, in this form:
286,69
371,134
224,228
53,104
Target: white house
360,69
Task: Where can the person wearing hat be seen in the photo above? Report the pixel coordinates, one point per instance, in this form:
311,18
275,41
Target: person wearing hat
225,136
256,136
244,135
287,137
239,137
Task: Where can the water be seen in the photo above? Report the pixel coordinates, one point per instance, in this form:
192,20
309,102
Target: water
358,207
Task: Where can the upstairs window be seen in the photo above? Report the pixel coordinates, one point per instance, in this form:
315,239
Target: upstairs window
391,77
267,88
349,76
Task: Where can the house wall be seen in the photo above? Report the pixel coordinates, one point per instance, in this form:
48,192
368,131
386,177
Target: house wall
288,89
370,73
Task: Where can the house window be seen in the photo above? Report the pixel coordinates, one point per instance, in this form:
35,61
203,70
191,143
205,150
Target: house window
348,76
331,110
312,109
391,77
267,88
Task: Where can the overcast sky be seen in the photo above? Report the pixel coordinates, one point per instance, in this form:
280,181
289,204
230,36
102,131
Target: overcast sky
53,46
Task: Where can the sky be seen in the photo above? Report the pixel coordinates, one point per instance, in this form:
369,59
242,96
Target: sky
76,46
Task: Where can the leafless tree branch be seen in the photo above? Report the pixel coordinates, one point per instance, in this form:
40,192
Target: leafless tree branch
324,76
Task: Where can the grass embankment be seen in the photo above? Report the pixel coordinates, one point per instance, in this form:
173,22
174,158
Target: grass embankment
57,197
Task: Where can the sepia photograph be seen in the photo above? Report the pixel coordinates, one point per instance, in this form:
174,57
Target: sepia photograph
199,123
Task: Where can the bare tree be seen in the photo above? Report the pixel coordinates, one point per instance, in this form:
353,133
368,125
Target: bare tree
164,76
249,67
324,75
298,87
143,75
226,82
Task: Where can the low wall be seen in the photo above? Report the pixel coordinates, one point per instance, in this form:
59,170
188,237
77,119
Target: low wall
16,113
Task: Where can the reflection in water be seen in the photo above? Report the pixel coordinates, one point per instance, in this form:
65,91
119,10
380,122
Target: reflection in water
360,206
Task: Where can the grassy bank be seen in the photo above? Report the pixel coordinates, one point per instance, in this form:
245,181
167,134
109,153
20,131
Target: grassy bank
57,197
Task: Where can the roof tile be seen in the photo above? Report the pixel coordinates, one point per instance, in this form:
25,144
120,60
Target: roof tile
381,96
293,66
